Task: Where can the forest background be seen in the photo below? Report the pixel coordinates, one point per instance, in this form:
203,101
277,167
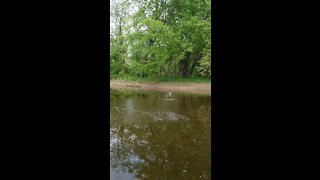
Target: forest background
160,39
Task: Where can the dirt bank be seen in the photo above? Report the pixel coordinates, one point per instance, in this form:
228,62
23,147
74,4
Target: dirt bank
199,88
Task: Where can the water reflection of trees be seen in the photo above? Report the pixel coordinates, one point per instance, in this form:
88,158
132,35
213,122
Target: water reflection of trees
162,149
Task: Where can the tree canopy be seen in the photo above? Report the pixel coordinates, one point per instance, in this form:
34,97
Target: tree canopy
160,38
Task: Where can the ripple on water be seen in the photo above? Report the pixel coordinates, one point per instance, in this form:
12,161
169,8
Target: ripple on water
166,116
156,116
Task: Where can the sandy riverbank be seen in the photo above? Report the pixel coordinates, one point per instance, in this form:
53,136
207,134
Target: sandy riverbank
199,88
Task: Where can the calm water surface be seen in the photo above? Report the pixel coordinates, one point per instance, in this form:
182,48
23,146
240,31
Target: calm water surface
156,135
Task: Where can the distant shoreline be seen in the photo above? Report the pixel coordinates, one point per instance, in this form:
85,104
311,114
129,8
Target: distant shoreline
197,88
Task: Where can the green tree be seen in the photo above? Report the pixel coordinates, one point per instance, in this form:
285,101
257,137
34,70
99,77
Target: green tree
161,38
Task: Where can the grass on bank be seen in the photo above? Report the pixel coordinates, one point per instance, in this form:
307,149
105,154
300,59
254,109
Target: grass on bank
162,79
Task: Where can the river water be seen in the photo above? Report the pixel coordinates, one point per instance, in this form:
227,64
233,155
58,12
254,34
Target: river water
158,135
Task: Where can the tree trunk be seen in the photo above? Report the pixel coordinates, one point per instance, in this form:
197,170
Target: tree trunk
195,62
183,65
169,70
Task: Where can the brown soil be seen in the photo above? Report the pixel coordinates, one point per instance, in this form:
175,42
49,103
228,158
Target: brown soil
198,88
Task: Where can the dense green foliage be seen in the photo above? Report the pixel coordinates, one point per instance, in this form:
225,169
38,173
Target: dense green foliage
160,38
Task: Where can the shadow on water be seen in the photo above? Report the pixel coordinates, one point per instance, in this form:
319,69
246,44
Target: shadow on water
156,135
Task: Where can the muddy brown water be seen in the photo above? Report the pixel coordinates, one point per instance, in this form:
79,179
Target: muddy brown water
159,135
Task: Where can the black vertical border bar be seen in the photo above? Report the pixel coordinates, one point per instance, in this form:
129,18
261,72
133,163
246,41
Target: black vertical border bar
106,78
217,120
